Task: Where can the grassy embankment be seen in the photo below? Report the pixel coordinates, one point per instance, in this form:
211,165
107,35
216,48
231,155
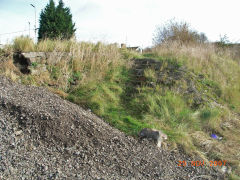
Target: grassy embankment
100,77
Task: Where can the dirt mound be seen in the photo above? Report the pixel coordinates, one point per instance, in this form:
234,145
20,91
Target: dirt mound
45,137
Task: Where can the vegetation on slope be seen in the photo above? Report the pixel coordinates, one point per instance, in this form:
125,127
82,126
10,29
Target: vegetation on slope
204,100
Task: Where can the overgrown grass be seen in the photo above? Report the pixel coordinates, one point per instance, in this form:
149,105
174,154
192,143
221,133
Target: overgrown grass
221,66
100,77
23,44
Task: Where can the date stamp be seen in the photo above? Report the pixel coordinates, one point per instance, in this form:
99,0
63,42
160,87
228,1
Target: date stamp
201,163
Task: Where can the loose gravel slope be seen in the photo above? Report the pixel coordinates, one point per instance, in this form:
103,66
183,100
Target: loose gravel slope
45,137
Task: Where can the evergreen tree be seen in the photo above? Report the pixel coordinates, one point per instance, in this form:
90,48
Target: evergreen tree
47,21
64,21
56,22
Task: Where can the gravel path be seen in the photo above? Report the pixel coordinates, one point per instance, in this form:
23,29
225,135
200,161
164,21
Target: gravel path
45,137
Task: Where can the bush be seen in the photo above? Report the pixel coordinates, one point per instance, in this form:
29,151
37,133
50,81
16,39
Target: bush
177,31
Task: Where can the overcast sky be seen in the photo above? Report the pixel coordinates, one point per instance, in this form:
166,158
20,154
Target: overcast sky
127,21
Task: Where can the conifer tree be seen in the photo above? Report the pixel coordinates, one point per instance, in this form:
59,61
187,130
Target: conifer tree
47,21
56,22
64,21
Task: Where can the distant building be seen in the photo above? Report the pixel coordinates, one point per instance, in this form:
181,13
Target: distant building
136,48
133,48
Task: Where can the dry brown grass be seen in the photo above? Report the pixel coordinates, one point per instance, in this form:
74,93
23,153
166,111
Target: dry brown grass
216,64
8,69
58,45
61,93
23,44
88,60
95,60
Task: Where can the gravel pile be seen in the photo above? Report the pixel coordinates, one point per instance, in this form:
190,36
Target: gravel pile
45,137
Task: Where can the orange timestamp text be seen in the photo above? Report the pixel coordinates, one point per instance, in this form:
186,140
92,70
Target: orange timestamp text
201,163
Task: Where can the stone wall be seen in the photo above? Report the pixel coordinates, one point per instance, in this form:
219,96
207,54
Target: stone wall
24,60
50,57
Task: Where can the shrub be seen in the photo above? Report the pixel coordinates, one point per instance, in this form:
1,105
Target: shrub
177,31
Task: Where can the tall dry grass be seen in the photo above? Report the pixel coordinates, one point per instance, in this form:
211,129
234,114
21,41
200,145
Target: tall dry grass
91,62
7,67
71,60
217,64
95,59
23,44
48,45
